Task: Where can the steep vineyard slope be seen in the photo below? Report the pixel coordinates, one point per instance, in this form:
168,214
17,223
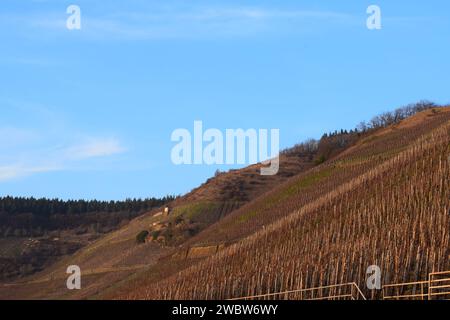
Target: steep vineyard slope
384,202
296,192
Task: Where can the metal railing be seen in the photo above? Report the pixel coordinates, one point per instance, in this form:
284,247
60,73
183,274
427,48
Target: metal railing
439,285
345,291
436,287
405,291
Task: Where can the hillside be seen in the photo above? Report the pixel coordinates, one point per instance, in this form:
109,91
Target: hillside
116,254
39,232
326,225
34,233
312,224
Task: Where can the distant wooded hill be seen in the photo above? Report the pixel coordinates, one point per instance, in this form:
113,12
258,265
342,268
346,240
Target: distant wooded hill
22,217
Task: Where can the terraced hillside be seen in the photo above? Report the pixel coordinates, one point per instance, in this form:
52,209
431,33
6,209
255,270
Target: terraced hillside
385,201
366,154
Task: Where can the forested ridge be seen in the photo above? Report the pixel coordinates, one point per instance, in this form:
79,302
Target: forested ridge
21,216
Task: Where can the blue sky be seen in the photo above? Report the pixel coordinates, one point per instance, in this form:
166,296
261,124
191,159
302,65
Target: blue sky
89,113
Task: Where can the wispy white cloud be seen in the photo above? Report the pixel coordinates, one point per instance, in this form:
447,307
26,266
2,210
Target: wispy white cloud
30,162
50,143
95,147
177,22
11,172
225,13
201,22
